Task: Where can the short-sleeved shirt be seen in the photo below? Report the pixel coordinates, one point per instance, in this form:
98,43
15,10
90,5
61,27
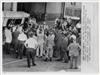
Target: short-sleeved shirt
40,37
73,49
31,43
22,37
50,40
8,36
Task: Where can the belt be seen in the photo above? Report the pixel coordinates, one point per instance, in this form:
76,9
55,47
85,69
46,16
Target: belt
30,49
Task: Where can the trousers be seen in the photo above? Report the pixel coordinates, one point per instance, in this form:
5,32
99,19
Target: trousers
19,52
49,52
39,50
73,61
30,53
7,48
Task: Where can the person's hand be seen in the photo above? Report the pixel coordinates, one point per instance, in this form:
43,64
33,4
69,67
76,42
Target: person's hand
26,45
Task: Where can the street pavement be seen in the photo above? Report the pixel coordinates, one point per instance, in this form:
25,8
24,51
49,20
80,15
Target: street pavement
11,64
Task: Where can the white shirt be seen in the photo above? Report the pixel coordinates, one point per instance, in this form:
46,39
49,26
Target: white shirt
20,28
40,37
8,36
78,25
31,43
50,40
14,28
22,37
73,36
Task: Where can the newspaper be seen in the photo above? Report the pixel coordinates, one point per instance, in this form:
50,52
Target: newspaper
85,12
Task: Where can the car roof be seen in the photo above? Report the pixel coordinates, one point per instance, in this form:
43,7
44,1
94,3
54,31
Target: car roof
15,14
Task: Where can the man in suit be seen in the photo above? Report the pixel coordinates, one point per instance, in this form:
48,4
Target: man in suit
61,45
15,35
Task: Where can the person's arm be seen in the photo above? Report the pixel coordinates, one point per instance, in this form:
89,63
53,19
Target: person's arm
47,41
78,46
69,47
42,32
25,37
56,20
5,33
62,26
36,44
38,31
26,43
79,49
19,36
53,36
11,36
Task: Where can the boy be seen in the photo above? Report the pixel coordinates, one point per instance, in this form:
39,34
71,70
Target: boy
74,53
31,45
50,45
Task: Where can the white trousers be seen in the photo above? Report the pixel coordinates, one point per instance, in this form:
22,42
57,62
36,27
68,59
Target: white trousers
39,50
49,53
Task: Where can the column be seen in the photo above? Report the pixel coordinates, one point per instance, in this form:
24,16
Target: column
14,6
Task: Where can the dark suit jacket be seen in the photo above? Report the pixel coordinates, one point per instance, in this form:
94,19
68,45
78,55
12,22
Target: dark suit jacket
15,36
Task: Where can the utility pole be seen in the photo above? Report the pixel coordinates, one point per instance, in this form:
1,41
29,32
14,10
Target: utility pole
62,9
14,6
45,13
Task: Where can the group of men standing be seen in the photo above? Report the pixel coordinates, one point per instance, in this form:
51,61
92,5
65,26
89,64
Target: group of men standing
40,42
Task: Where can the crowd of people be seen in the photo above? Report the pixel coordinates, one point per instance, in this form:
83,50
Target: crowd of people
61,40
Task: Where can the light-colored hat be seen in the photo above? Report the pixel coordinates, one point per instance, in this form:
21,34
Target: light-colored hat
78,25
73,36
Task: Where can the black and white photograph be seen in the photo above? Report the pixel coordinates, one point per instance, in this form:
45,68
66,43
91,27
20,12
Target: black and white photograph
49,36
41,36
